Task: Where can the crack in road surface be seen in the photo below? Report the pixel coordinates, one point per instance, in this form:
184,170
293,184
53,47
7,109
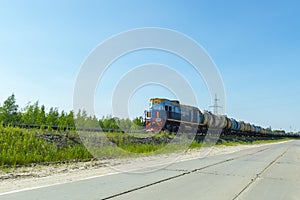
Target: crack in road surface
253,180
183,174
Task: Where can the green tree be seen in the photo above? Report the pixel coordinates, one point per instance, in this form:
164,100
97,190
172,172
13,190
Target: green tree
61,120
27,115
70,123
41,118
9,111
92,122
137,123
81,118
32,114
52,117
125,124
109,123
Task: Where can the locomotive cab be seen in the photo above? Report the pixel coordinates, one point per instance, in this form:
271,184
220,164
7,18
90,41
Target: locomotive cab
160,111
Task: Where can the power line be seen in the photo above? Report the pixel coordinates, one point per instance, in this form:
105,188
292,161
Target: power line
215,106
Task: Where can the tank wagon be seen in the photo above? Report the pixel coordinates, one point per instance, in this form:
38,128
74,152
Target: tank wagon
170,115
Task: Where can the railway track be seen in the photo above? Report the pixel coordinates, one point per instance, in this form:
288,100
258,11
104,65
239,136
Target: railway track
210,132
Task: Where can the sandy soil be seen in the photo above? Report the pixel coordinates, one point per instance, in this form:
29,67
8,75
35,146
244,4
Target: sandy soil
41,176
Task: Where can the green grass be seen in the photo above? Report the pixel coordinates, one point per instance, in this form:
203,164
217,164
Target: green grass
19,147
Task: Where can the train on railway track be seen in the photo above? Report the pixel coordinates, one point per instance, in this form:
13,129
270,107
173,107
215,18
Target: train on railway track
170,115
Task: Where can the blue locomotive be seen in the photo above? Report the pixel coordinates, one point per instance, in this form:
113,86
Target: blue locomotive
170,115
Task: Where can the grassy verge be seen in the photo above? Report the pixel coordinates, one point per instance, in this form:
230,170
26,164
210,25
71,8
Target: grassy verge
19,147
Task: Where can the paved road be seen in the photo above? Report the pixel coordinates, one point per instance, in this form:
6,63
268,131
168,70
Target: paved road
267,172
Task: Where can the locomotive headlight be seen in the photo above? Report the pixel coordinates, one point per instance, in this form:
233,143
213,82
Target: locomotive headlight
158,120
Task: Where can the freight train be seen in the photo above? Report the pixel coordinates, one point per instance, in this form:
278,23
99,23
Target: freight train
170,115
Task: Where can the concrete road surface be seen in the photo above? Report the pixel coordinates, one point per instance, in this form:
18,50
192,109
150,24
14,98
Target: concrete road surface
267,172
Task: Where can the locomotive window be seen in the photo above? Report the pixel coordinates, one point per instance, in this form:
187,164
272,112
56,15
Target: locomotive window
168,108
157,107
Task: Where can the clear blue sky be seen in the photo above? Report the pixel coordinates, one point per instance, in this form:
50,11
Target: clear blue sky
255,45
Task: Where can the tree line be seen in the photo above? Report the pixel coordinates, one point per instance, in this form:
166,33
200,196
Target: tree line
36,115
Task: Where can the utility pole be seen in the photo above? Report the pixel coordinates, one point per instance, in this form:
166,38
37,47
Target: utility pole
216,106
